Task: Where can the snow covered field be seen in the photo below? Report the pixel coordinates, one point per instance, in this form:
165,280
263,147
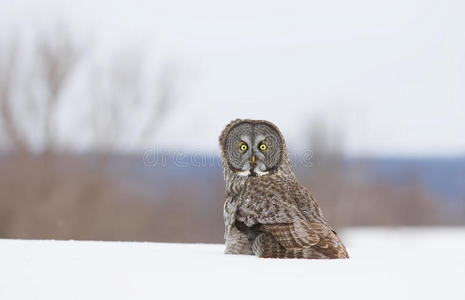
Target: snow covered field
385,264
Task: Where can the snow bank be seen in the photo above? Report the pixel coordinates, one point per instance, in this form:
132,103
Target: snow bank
384,264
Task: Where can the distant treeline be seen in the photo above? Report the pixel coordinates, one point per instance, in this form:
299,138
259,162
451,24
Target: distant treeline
120,197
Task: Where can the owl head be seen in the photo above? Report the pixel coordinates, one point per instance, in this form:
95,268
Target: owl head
253,148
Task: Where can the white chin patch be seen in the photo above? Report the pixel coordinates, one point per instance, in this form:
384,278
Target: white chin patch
256,171
244,173
260,173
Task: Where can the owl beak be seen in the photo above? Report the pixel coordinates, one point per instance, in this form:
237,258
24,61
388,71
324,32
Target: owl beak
253,159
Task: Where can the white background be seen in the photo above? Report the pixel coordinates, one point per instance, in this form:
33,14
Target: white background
389,75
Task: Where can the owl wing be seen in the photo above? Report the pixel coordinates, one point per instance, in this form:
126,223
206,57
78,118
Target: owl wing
276,214
315,241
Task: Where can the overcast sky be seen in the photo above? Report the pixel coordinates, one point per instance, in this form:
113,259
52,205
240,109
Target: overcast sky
390,76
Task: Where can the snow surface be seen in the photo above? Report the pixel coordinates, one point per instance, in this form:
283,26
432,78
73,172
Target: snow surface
385,264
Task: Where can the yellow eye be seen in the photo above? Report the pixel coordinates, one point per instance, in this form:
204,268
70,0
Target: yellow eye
262,147
243,147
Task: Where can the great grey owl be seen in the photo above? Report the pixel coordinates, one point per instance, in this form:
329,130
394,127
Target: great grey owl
267,212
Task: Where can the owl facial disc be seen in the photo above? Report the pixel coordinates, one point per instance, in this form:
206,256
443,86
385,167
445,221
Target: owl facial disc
252,148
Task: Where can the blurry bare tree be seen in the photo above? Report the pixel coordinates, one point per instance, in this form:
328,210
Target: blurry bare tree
48,193
327,167
119,95
350,199
30,96
8,67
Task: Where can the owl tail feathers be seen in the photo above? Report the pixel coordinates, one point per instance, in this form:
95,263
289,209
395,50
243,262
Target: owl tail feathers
306,253
266,246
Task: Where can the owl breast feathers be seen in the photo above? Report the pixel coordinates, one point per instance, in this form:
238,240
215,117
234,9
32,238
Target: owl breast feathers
269,213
